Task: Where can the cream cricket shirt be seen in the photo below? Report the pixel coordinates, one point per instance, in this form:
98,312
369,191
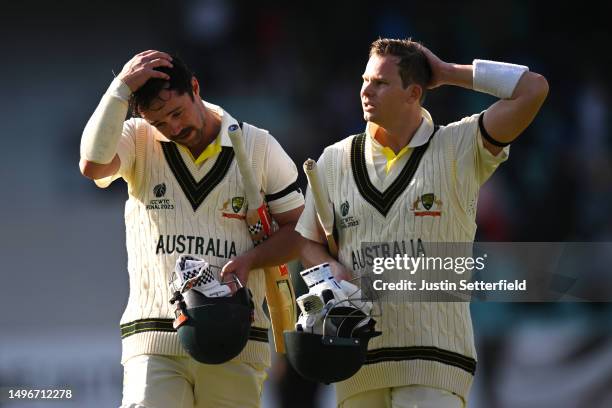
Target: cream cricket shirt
176,206
423,343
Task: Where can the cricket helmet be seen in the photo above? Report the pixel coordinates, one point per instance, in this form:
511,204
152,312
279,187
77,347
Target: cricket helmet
212,329
330,342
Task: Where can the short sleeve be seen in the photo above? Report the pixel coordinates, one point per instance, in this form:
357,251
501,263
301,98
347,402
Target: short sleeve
126,149
471,155
307,224
280,179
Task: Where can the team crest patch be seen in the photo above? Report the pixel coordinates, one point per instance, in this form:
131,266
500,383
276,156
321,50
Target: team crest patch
237,204
347,220
427,205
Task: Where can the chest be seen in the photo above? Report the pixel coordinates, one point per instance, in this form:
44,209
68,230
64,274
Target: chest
190,198
420,191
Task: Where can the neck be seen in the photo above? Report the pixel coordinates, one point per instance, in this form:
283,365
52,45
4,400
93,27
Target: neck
397,135
211,126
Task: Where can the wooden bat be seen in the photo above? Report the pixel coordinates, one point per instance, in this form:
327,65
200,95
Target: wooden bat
324,208
279,291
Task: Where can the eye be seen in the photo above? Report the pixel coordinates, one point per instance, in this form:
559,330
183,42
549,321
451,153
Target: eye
177,114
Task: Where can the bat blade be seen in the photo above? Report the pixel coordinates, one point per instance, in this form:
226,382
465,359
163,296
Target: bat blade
323,205
251,189
279,291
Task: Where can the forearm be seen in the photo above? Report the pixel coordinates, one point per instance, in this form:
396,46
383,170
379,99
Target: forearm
505,81
103,130
508,118
314,253
101,135
457,75
282,247
96,171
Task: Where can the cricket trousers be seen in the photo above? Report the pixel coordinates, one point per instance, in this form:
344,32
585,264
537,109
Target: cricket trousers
413,396
155,381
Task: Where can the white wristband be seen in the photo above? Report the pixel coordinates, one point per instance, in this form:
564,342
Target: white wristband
497,78
102,132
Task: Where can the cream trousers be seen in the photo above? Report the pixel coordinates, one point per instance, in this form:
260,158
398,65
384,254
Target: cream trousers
154,381
413,396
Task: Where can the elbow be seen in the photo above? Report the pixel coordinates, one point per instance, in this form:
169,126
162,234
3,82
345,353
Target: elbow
539,87
88,169
84,167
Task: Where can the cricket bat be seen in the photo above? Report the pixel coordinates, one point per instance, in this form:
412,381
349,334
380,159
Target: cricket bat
279,291
323,206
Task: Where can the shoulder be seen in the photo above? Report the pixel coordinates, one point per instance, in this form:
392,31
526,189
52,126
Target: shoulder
464,124
457,135
337,154
137,123
256,135
341,146
137,127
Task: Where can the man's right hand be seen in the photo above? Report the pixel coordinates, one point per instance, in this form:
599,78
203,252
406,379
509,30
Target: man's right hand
99,158
137,71
315,253
340,272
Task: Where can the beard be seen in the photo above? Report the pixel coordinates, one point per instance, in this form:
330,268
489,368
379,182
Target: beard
184,134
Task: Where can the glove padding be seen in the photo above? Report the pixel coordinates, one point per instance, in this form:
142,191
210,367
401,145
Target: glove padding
188,267
326,293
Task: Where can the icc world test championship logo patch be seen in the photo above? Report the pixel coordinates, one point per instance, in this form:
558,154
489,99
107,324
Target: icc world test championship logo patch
160,202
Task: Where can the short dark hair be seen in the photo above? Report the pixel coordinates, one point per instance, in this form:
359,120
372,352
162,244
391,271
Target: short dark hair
413,65
180,81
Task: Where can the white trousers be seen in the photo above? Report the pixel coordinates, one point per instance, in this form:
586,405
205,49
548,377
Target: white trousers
412,396
154,381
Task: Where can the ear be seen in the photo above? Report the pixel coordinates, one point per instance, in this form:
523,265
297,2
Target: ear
195,86
414,93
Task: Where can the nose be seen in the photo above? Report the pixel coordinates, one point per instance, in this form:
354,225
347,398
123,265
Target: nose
366,89
175,127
